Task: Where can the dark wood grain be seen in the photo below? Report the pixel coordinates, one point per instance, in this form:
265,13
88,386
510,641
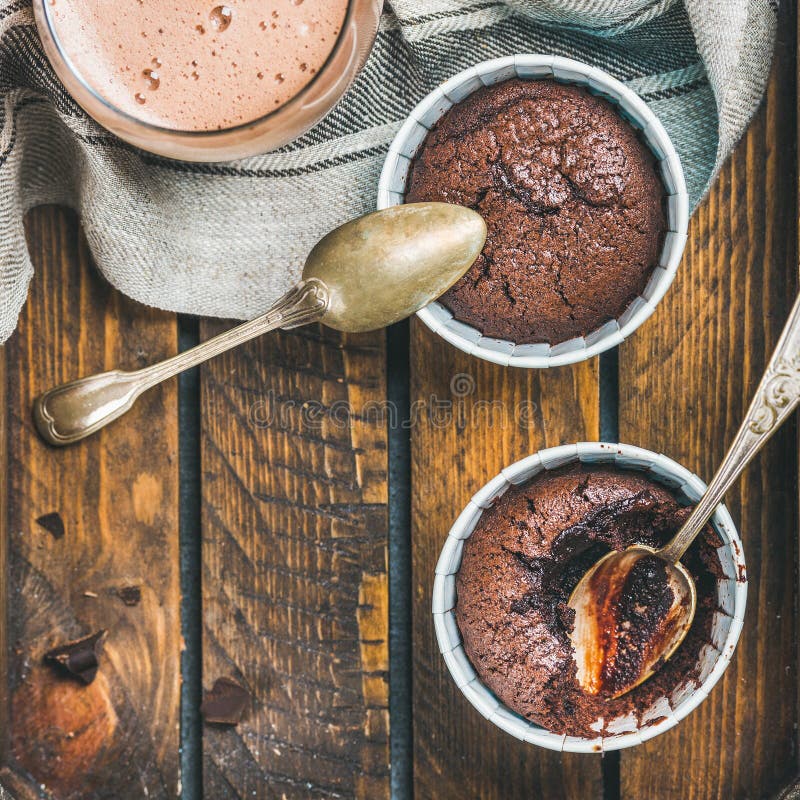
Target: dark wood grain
117,496
497,416
295,589
686,380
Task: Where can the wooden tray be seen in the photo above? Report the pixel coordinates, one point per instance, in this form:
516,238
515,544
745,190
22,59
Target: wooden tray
282,524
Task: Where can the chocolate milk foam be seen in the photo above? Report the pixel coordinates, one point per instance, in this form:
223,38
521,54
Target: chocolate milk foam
197,66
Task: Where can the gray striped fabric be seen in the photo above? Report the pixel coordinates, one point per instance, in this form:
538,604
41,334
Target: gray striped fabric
227,240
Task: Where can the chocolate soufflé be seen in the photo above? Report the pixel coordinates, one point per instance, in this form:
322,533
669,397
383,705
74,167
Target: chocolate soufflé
572,200
518,570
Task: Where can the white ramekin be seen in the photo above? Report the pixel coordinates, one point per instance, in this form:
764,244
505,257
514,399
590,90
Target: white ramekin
392,188
714,657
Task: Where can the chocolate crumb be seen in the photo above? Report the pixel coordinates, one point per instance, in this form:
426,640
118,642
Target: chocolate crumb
130,595
225,703
81,657
52,523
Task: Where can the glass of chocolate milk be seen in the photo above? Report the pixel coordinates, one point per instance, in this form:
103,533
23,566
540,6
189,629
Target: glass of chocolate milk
207,81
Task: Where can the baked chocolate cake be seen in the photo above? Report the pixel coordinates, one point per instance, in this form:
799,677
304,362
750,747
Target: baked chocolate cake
523,560
572,200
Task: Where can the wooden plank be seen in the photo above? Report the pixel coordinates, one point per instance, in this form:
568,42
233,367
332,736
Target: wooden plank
686,380
117,495
295,589
457,753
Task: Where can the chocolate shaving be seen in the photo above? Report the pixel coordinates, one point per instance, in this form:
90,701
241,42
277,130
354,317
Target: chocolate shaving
52,523
130,595
81,657
225,703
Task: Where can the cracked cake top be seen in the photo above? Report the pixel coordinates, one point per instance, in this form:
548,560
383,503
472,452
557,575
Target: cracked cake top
520,566
572,201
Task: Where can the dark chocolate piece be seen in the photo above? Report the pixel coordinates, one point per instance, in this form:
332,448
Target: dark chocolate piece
52,523
80,658
130,595
225,703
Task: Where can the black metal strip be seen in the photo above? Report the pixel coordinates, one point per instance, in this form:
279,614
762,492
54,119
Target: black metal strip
609,432
609,396
191,569
400,682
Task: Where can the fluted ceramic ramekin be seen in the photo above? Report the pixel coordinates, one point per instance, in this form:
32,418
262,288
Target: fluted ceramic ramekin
392,189
669,709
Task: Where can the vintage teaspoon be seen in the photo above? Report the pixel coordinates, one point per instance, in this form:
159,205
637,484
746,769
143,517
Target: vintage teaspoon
369,273
612,654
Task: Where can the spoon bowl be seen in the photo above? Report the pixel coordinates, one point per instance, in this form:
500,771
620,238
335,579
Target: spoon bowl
632,611
385,266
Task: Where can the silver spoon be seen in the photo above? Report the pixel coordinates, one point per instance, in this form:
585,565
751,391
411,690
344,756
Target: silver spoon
367,274
600,631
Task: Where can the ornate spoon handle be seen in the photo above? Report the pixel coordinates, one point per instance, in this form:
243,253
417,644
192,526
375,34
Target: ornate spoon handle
72,411
776,397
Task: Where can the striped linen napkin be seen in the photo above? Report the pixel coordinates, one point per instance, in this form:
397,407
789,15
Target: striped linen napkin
227,240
